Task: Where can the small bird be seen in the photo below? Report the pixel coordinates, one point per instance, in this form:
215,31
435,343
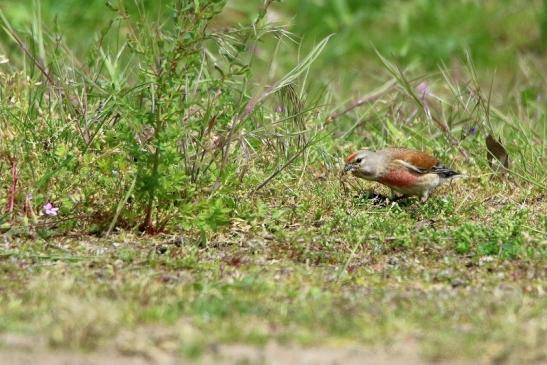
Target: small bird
404,170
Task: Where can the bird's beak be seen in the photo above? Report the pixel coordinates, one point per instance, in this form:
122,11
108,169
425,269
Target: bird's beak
349,167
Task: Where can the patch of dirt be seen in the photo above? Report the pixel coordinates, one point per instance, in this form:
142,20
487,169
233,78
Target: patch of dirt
68,358
271,354
274,354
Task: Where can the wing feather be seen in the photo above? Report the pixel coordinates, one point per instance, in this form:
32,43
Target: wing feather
420,162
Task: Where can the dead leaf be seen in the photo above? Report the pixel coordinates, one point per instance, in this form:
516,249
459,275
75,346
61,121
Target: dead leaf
496,152
212,123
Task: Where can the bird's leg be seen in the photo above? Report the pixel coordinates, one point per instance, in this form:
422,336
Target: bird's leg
425,196
395,197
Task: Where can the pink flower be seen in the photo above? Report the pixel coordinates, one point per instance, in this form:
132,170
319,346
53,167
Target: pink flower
423,89
50,210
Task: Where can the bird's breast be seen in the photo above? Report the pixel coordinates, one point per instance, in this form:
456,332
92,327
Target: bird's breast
399,178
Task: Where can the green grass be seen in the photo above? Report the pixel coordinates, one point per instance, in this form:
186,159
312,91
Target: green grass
315,266
196,166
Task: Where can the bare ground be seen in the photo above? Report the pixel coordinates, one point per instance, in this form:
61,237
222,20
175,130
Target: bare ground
26,351
226,355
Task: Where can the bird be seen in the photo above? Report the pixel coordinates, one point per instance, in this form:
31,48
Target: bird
406,171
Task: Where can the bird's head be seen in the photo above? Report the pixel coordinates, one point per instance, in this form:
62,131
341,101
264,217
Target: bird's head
365,164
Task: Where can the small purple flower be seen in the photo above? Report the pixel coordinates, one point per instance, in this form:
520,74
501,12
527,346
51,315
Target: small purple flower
473,131
50,210
423,89
279,109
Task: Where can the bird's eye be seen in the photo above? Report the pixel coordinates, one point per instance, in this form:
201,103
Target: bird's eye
358,160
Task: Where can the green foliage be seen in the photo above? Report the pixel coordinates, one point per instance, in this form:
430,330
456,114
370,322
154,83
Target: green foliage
173,108
424,31
544,24
504,238
149,128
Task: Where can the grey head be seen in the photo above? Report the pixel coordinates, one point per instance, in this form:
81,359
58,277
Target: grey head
365,164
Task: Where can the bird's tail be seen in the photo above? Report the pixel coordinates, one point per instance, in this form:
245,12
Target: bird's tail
446,172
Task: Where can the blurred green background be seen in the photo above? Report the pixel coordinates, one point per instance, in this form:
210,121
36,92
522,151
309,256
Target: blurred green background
408,31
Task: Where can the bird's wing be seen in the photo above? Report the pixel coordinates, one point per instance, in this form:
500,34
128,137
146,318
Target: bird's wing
420,162
414,160
409,166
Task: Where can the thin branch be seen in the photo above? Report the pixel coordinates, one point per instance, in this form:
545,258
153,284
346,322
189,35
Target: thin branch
285,165
369,98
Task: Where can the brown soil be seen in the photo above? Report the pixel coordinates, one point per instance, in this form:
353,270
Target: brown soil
272,354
